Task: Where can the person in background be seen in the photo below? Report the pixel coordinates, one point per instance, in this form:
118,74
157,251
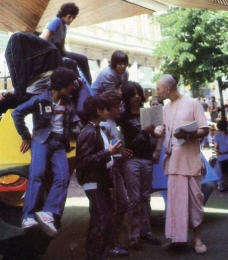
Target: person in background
204,104
226,108
182,164
138,169
55,32
221,149
113,77
213,109
208,141
52,117
93,169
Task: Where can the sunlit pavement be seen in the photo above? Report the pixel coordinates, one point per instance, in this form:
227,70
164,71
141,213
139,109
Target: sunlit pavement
69,244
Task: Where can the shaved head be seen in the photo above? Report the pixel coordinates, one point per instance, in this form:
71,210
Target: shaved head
169,81
166,85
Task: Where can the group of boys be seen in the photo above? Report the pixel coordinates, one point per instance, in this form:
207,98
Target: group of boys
114,167
116,179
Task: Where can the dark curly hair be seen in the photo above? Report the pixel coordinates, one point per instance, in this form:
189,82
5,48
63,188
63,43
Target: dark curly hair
222,125
129,91
68,8
62,78
113,97
91,105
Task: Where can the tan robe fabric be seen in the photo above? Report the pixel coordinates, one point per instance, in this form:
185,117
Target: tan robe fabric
182,164
184,159
185,206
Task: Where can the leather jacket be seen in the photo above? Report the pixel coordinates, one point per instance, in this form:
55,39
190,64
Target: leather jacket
92,157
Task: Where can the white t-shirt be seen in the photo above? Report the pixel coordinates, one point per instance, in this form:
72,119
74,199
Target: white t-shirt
57,118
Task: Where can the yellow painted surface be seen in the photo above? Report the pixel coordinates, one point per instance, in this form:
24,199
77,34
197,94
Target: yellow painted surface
10,143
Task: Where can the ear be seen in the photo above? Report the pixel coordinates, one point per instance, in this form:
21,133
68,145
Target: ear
99,112
169,89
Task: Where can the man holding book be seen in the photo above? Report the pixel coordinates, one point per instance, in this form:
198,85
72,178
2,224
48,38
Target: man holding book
182,163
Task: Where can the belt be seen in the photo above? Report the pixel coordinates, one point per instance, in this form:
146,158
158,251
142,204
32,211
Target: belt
57,136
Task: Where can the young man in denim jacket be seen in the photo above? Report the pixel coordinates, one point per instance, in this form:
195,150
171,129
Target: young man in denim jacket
52,120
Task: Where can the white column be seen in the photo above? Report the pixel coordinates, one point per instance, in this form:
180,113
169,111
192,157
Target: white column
133,71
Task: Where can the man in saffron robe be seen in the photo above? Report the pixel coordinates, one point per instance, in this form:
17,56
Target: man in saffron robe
182,163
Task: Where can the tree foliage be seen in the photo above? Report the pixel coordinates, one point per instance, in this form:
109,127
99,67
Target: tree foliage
194,45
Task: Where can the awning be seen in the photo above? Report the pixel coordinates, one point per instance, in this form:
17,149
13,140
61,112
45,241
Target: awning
25,15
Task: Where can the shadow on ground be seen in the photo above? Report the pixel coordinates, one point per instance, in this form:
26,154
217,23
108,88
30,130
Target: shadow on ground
17,244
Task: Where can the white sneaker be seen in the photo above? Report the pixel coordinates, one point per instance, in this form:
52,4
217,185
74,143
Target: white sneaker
47,223
29,222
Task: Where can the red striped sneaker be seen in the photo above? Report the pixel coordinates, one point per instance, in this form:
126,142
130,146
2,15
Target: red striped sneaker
47,223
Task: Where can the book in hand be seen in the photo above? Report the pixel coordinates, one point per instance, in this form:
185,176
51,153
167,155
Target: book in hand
151,116
188,127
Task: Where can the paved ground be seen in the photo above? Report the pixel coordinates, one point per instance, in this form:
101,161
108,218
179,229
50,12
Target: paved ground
69,244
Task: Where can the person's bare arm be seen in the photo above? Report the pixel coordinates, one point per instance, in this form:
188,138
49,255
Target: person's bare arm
1,97
157,151
46,34
217,149
25,146
200,133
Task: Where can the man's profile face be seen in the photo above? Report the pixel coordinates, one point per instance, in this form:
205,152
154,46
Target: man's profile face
103,114
115,111
68,19
162,90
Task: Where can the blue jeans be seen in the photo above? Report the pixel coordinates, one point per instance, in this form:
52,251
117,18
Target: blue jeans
53,152
82,62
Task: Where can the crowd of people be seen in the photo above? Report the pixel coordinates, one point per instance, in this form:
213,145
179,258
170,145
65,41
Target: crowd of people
217,138
114,155
212,108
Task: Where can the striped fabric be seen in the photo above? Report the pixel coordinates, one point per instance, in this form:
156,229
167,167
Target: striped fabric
57,118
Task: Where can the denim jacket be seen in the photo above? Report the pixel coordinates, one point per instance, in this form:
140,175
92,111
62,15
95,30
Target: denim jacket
41,108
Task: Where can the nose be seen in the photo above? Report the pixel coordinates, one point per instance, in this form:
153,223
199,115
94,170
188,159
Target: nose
137,95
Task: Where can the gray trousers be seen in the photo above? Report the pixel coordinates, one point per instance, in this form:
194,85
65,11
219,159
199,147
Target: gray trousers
120,199
138,179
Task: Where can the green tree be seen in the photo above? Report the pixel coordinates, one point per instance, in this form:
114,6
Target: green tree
194,45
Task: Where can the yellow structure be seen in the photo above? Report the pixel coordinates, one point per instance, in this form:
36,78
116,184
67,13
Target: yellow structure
10,143
14,164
